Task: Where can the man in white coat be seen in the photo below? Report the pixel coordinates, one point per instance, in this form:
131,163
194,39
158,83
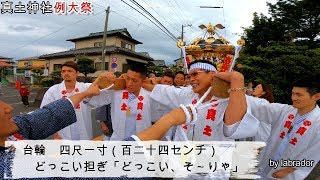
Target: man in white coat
82,129
292,149
166,79
210,125
130,108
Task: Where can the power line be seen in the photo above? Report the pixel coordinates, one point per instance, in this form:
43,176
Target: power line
13,50
189,22
180,16
182,12
160,15
141,7
174,10
134,20
177,15
99,5
150,20
140,23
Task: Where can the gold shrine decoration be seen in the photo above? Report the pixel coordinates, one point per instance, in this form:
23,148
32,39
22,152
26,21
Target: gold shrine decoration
210,28
216,49
211,47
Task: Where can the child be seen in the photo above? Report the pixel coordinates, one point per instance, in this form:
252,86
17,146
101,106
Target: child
24,93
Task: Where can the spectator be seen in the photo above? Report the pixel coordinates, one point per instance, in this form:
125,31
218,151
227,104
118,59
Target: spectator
187,80
151,75
167,78
179,79
249,89
24,93
263,91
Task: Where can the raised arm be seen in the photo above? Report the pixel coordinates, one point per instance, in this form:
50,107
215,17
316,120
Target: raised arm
93,90
159,129
171,96
103,81
237,106
148,87
51,118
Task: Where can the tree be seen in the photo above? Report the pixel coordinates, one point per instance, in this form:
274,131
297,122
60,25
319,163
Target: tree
290,21
47,82
301,18
56,76
37,72
279,66
175,69
86,65
56,73
158,71
3,72
275,52
262,33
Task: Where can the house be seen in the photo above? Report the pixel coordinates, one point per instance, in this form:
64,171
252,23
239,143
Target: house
2,58
179,62
145,54
6,62
7,68
119,51
25,65
158,63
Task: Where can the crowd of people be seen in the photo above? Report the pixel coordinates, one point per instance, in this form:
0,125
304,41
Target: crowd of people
162,110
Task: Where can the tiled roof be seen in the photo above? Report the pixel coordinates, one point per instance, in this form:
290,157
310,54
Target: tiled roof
95,51
4,64
30,58
117,32
2,57
160,63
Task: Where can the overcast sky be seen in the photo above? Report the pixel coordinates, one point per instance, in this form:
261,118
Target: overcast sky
27,35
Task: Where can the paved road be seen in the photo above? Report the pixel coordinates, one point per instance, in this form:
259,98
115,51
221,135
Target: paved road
11,96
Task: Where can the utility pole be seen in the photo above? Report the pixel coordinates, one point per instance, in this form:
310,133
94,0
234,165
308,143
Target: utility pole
103,62
182,32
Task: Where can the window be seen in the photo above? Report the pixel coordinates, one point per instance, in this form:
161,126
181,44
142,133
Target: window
97,65
123,44
129,46
97,44
126,45
57,67
125,67
27,63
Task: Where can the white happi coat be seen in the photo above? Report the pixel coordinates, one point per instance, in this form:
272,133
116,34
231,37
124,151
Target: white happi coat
118,117
84,122
160,110
263,132
305,146
205,129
